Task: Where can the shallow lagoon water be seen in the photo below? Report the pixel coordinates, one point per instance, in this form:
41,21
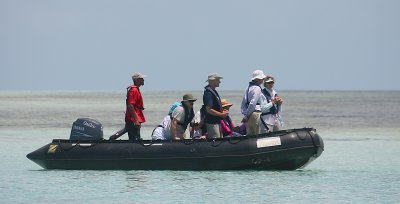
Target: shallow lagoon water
360,163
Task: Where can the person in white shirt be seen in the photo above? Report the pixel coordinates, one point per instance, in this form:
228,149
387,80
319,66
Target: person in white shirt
162,131
181,117
174,125
270,118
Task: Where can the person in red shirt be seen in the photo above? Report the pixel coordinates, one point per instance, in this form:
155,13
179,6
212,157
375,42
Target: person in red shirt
134,116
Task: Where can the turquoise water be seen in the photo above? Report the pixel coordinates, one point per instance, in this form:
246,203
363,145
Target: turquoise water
360,164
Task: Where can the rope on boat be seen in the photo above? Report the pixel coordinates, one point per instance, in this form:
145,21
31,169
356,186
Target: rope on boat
64,149
77,144
216,145
230,140
193,141
312,139
144,145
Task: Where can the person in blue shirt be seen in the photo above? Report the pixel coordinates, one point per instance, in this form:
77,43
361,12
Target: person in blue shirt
252,102
214,111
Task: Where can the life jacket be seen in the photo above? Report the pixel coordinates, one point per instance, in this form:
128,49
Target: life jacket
215,97
252,83
228,122
274,109
218,107
203,112
127,95
189,115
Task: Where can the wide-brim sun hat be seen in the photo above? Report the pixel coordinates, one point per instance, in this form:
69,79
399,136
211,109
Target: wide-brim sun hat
188,97
258,74
213,76
225,103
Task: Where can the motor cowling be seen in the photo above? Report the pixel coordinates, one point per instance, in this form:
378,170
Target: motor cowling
86,129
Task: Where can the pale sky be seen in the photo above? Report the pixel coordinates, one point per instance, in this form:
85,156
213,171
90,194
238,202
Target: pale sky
99,44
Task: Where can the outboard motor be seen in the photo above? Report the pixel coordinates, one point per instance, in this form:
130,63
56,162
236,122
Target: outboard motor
86,129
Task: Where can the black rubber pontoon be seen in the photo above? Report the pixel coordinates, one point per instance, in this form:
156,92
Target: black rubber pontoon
282,150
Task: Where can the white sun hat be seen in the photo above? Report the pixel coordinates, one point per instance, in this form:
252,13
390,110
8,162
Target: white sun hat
258,74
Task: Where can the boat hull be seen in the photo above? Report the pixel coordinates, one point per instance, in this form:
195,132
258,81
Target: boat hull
283,150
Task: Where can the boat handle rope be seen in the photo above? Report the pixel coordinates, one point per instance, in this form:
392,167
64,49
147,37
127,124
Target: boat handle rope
62,149
182,141
192,141
213,143
297,135
73,146
87,147
144,145
312,139
230,140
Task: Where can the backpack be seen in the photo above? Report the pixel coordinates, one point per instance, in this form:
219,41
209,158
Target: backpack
173,106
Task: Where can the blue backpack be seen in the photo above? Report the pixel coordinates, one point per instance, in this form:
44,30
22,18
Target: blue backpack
173,106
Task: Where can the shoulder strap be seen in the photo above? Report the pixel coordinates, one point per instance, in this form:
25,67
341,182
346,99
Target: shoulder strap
129,88
274,108
266,93
247,91
216,96
189,115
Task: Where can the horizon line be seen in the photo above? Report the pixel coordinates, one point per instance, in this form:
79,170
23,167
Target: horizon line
182,90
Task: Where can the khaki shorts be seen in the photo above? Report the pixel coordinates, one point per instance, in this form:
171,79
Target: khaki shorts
213,130
253,124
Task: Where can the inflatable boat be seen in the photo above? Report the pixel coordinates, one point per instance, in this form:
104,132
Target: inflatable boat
282,150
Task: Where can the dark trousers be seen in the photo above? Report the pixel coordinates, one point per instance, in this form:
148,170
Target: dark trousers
133,131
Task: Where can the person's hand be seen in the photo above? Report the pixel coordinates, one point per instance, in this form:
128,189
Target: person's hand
275,100
225,113
236,129
196,126
176,138
279,100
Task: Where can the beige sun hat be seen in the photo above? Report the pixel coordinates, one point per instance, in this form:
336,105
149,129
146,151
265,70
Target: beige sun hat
138,75
225,103
213,77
